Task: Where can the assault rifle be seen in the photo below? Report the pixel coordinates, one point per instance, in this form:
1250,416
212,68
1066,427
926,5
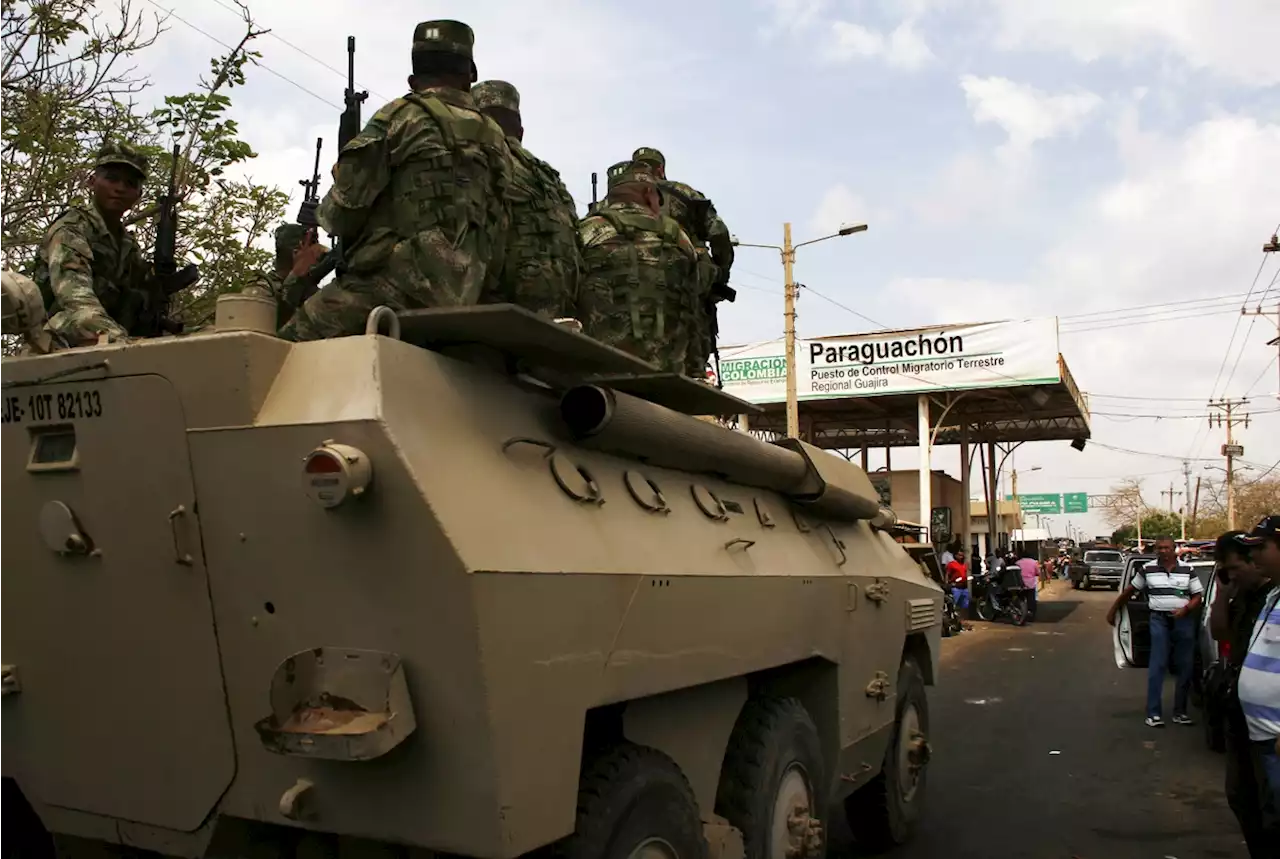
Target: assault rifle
348,128
146,313
720,291
594,193
311,194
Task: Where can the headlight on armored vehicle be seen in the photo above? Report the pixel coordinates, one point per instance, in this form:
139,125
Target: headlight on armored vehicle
334,472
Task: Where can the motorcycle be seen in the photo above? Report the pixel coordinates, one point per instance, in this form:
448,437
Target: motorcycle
951,622
991,603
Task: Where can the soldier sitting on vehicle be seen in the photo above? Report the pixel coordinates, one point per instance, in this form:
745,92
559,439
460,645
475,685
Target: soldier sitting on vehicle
91,275
638,285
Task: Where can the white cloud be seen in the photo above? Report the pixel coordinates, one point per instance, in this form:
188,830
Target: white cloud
902,48
1234,39
1027,114
792,16
839,206
977,183
1185,221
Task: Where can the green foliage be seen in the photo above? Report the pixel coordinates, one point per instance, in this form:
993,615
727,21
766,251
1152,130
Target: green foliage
68,87
1155,523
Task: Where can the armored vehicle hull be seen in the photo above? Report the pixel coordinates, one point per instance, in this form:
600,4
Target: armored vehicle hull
359,591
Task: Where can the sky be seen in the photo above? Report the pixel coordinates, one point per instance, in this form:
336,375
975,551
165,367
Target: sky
1013,158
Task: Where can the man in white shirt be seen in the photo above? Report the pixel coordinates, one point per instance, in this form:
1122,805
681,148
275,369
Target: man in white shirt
1173,593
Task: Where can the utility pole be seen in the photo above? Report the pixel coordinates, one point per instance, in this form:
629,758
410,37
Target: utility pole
1231,450
1195,504
789,329
1269,248
1186,494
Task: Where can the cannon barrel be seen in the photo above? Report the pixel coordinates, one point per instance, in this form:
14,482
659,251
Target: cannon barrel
603,419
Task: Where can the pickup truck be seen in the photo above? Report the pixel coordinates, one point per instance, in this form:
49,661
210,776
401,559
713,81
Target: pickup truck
1099,567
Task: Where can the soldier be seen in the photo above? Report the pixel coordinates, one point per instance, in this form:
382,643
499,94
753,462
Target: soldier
543,259
23,311
91,275
292,279
697,217
638,267
420,198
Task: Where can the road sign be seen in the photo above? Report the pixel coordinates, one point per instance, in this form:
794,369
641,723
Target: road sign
1075,502
1233,450
1044,503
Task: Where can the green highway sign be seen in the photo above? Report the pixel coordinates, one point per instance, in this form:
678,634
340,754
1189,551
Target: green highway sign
1075,502
1044,503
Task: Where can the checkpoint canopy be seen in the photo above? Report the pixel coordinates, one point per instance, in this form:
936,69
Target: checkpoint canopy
1004,381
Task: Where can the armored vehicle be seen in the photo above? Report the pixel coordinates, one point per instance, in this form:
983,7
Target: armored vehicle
471,583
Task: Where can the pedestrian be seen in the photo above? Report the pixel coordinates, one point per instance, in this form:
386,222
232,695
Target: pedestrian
638,273
420,198
1029,567
1259,684
958,580
1173,594
948,553
91,274
543,261
1241,593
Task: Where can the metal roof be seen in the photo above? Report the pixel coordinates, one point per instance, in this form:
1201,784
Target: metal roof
1041,412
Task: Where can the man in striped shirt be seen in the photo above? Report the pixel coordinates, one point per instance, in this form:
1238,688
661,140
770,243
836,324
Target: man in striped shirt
1258,686
1173,594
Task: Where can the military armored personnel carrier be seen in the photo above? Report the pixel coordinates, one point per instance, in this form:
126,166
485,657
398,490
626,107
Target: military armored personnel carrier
471,583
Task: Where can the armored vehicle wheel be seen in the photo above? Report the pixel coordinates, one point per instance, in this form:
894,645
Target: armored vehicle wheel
634,803
772,784
883,814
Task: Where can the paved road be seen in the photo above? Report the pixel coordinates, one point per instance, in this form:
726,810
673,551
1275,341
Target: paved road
1008,698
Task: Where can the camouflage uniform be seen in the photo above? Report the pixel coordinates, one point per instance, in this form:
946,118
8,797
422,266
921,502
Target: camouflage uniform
697,217
543,259
636,274
420,201
289,290
23,311
92,277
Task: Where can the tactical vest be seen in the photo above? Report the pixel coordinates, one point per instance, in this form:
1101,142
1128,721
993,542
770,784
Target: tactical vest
661,274
460,190
544,229
108,284
688,212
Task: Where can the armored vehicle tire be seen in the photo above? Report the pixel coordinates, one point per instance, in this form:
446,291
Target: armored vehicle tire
883,814
634,803
772,780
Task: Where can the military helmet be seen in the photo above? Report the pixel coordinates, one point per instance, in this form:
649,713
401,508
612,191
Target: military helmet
445,37
496,94
289,236
119,152
630,172
23,306
649,155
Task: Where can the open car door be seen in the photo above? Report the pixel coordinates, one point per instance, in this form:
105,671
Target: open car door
1131,636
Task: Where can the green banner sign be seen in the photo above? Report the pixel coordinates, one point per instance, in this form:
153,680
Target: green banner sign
1043,503
1075,502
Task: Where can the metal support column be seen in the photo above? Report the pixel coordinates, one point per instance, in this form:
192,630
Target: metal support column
926,469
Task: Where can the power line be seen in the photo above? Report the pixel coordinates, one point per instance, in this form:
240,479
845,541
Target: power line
1152,399
257,63
1125,323
1114,310
339,72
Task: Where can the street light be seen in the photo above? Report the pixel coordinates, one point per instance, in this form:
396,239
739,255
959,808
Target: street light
788,252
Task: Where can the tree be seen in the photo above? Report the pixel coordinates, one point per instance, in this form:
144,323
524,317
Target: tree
1155,523
67,88
1123,504
1254,499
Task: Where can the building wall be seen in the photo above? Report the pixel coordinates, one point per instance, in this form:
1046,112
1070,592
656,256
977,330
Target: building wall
904,489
